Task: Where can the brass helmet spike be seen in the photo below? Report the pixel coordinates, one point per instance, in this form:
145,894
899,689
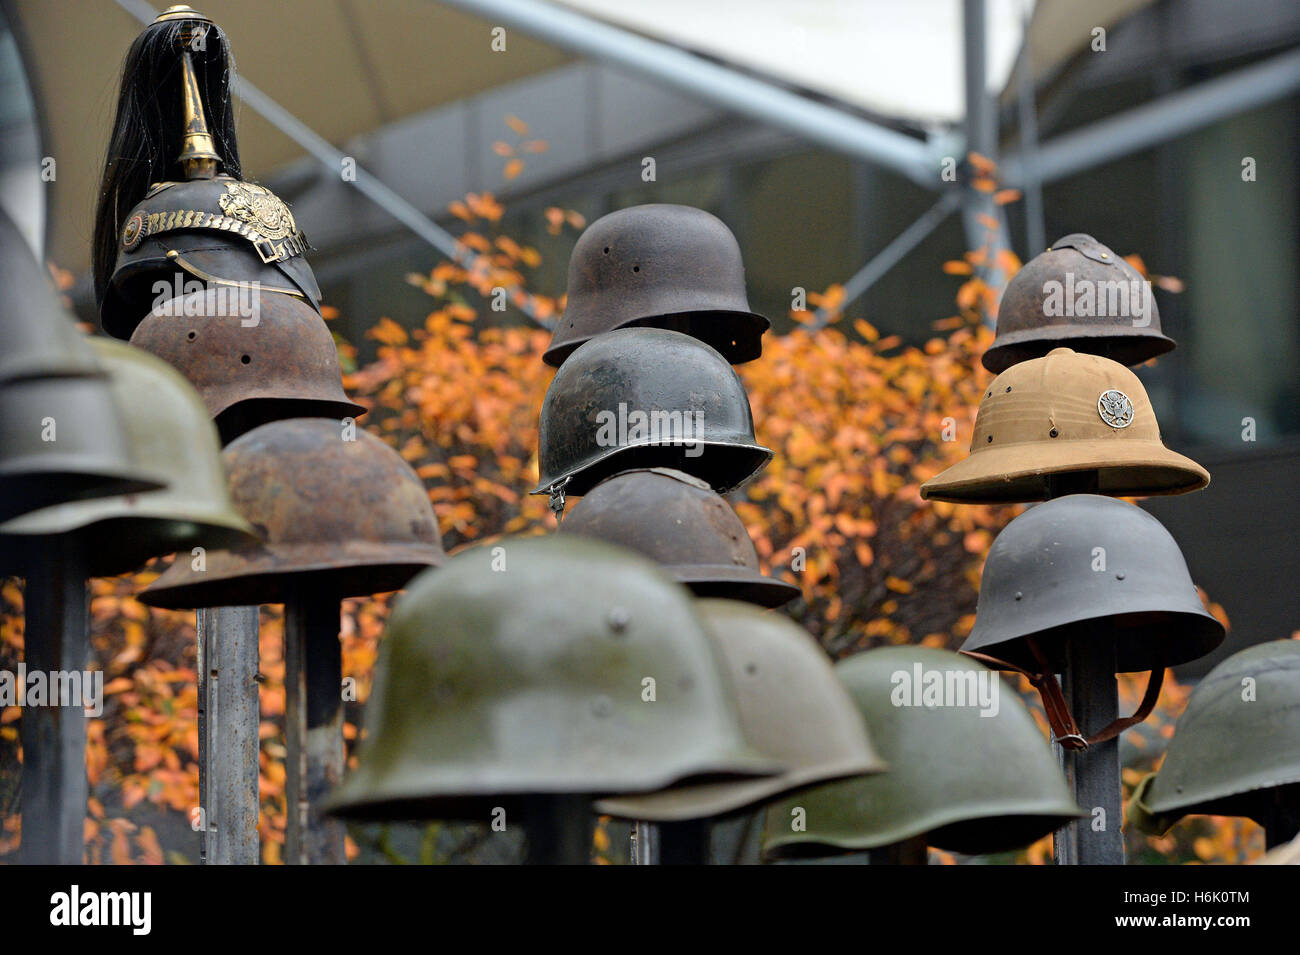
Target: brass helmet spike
198,157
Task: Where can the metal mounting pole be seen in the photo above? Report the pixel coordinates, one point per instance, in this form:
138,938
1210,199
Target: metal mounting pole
54,784
559,829
229,714
313,728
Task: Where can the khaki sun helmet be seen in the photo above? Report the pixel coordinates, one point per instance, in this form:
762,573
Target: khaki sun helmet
527,667
168,433
683,525
1081,295
1236,749
792,708
970,777
336,507
664,266
252,361
645,397
1065,414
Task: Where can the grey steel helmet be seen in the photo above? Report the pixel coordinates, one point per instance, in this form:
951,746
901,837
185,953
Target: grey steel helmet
664,266
685,526
1236,749
645,397
541,665
971,776
1082,567
792,708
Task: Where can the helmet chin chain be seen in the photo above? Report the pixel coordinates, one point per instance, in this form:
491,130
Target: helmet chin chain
1065,731
557,497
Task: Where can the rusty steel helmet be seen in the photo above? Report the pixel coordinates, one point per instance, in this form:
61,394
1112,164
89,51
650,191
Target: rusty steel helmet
973,776
664,266
645,397
1236,749
336,507
271,361
168,433
61,434
683,525
217,233
542,665
1081,295
1065,414
792,708
1075,568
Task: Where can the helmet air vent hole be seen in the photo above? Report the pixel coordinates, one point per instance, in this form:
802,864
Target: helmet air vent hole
636,268
245,358
1054,433
990,439
191,336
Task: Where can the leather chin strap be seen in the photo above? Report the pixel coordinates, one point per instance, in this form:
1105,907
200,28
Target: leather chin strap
1064,729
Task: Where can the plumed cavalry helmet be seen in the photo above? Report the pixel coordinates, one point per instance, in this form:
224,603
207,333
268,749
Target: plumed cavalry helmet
274,360
522,669
52,386
792,708
683,525
220,232
1236,749
665,266
338,510
970,783
1082,295
1065,414
1075,568
168,433
645,397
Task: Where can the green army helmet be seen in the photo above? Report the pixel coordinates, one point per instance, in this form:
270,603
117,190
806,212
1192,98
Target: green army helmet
683,525
792,708
169,433
535,666
973,778
338,512
1236,745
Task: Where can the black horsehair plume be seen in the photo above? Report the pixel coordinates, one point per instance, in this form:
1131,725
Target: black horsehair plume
147,134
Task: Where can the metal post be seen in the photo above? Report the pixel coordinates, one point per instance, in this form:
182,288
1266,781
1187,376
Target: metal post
914,851
228,734
645,843
559,829
54,784
313,720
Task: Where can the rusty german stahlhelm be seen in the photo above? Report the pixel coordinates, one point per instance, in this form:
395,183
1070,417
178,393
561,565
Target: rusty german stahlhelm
1077,568
542,665
1236,749
1081,295
273,360
685,526
792,708
337,509
665,266
645,397
1065,414
169,433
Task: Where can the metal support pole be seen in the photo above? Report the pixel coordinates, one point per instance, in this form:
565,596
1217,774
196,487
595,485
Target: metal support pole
229,714
313,719
559,829
914,851
688,842
645,843
1027,110
54,784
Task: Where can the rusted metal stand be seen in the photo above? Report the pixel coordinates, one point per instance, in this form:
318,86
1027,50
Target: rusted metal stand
1092,695
912,851
559,830
313,718
229,714
55,788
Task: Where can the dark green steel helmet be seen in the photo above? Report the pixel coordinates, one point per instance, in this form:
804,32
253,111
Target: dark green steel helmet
792,708
1237,745
683,525
524,668
645,397
972,778
168,433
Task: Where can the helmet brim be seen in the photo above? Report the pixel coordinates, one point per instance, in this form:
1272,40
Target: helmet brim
729,464
1125,344
736,335
733,583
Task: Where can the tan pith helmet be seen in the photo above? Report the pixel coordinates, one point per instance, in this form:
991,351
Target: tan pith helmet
1065,413
792,707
